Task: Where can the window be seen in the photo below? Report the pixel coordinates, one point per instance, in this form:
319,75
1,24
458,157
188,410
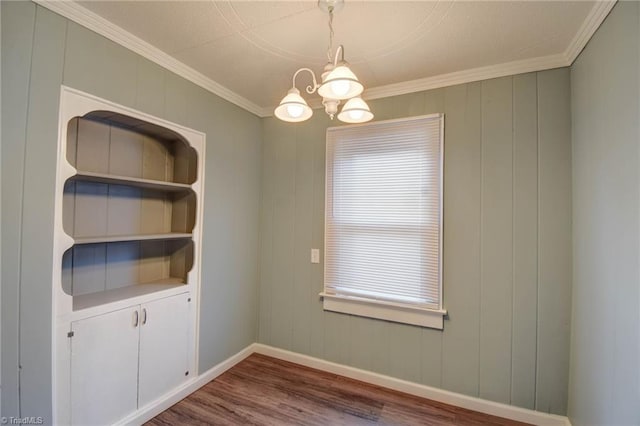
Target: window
383,224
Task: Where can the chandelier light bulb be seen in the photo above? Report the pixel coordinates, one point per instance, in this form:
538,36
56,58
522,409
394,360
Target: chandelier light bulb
295,110
293,107
340,83
355,110
340,87
356,114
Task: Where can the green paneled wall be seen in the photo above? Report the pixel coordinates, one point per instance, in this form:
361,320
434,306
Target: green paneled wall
507,237
605,338
17,39
507,246
41,51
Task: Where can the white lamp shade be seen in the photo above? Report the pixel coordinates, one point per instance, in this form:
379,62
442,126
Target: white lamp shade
340,83
293,107
355,110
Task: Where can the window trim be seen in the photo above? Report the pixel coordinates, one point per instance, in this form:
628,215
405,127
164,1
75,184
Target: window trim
383,309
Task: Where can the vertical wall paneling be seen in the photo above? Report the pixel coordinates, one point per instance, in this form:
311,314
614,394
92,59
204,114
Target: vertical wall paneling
284,211
496,243
488,348
555,261
301,291
83,60
269,131
431,348
18,20
525,240
175,102
368,344
336,342
409,105
245,172
460,342
37,232
489,283
117,73
66,53
604,385
99,66
231,210
384,109
0,218
150,88
408,348
318,125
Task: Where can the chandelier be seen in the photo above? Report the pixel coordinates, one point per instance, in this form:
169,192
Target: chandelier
338,83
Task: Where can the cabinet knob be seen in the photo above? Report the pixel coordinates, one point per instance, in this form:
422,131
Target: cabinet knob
135,318
144,316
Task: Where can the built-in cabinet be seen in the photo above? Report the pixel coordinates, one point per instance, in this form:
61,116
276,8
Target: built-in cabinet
151,359
126,273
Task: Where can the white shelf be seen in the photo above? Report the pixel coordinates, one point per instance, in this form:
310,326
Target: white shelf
91,300
130,181
134,237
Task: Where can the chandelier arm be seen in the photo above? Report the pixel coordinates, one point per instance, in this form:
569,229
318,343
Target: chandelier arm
339,52
311,88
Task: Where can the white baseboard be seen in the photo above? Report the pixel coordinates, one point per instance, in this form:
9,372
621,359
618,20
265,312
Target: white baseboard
435,394
483,406
156,407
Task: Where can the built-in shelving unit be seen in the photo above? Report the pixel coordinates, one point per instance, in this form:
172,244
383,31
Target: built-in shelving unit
127,256
129,208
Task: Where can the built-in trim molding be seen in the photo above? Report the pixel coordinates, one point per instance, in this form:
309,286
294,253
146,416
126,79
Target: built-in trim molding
82,16
435,394
596,16
388,311
156,407
483,406
468,76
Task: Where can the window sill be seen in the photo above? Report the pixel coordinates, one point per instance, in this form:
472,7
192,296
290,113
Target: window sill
384,310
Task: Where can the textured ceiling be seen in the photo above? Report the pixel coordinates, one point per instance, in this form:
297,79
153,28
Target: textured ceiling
254,47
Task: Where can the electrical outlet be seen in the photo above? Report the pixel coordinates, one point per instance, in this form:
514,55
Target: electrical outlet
315,255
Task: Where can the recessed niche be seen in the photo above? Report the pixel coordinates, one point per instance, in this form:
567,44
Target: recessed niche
106,143
95,209
91,270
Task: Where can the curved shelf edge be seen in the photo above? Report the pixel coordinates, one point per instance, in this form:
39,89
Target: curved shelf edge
130,181
134,237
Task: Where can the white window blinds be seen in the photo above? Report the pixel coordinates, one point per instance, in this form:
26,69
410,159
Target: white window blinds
384,211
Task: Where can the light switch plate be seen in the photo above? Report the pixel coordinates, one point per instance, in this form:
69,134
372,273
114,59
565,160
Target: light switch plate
315,255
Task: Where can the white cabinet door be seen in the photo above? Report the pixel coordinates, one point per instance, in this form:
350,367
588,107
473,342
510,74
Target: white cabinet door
164,351
104,368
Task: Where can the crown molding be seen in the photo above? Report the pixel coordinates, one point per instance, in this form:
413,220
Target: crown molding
454,78
468,76
94,22
592,22
82,16
596,16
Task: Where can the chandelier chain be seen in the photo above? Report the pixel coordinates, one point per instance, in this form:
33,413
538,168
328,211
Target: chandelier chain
330,33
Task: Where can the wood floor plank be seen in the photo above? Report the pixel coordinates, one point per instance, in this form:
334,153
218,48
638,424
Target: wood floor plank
262,390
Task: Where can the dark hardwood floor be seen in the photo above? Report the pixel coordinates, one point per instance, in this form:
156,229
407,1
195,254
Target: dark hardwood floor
266,391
